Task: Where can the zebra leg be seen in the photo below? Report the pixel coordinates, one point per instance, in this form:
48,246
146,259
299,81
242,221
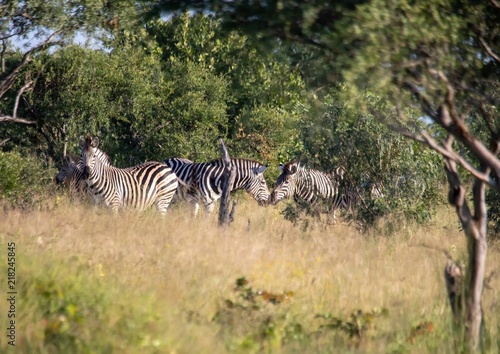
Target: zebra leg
162,204
162,207
193,202
209,208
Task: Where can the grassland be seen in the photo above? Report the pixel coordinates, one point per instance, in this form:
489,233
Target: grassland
92,282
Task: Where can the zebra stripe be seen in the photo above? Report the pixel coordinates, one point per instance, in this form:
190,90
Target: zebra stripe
183,168
302,184
311,185
347,195
137,187
71,175
206,180
209,180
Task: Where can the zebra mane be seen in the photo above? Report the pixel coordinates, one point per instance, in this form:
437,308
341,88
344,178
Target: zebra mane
103,157
339,172
287,168
220,161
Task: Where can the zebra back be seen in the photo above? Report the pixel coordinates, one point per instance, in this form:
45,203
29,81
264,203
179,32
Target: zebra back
209,177
136,187
302,183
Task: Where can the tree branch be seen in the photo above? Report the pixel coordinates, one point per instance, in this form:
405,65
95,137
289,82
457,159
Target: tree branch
489,50
446,151
229,176
8,81
448,118
21,91
6,118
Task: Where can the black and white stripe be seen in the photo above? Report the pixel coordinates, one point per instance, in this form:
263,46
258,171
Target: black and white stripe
138,187
335,189
206,180
302,184
183,168
71,175
308,185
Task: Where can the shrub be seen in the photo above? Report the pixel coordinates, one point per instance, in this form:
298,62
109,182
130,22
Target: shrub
25,181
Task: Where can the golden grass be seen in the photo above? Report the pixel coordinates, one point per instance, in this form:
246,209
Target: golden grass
181,270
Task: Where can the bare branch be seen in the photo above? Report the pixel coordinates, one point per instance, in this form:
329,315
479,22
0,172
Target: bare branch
489,50
2,143
8,81
21,91
229,176
446,151
6,118
450,120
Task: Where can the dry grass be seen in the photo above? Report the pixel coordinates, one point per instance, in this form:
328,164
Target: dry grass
181,270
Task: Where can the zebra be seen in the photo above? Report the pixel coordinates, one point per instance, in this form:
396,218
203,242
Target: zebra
206,180
183,168
136,187
311,186
71,175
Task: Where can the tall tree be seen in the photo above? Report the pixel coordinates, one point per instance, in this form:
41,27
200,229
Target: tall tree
33,27
441,57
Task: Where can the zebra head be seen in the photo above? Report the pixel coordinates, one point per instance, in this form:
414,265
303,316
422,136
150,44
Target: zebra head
285,184
257,186
71,174
89,154
68,171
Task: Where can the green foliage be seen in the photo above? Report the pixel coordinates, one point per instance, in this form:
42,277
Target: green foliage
66,308
267,133
25,181
140,111
192,116
493,202
172,96
357,326
408,175
264,95
248,317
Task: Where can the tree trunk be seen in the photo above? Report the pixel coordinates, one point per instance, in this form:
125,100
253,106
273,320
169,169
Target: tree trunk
229,176
474,226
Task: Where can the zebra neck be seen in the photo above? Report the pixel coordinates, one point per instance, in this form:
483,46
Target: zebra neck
100,171
242,179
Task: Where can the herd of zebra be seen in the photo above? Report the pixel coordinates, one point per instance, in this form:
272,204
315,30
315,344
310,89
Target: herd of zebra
156,183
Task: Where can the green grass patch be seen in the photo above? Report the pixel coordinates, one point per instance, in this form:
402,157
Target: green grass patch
68,307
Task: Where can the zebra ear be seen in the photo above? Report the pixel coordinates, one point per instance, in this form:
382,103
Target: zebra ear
281,167
340,172
67,160
261,169
81,142
95,142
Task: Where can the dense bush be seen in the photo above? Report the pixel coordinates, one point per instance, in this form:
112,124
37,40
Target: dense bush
409,176
25,181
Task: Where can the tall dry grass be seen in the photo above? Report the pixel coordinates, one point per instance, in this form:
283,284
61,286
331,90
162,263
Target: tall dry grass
180,272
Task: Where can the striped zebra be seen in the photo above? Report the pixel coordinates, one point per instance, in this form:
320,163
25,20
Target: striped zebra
183,168
312,186
206,180
138,187
71,175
